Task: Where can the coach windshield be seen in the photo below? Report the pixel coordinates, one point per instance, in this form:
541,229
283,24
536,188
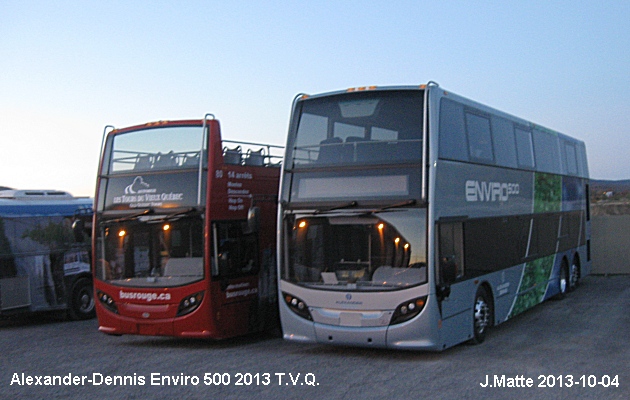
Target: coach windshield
357,251
154,149
372,127
151,251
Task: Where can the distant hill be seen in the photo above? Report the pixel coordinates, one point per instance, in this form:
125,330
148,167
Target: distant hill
599,186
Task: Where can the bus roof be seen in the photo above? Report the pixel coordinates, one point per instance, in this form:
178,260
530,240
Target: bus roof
30,203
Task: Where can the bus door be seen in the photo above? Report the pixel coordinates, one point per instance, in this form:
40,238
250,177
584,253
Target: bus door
454,293
235,277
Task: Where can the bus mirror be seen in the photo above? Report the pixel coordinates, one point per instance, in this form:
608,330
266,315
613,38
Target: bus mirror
78,227
443,291
253,217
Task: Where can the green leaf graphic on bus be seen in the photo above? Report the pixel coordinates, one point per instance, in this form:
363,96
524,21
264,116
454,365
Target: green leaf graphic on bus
534,284
547,193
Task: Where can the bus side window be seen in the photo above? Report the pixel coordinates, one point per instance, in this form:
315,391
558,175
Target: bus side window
451,251
453,144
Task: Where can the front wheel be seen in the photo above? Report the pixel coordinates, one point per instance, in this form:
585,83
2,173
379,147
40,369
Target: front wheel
482,315
563,281
81,301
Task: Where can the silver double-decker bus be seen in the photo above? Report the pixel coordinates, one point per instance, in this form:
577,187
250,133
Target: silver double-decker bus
414,218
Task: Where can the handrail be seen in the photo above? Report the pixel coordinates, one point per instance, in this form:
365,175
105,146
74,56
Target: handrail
105,132
275,146
204,136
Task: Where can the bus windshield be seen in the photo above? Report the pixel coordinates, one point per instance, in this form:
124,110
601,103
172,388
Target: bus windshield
156,149
375,127
383,251
151,252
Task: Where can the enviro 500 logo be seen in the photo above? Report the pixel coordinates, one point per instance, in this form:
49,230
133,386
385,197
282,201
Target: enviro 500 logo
490,191
148,297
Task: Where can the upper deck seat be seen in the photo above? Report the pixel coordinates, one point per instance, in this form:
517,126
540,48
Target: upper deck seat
330,151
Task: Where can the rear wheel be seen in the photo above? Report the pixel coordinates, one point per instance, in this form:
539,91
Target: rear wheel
482,315
81,301
574,275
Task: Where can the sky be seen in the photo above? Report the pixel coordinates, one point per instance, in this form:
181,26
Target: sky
69,68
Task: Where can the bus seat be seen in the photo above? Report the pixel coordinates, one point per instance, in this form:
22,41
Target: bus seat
191,161
255,158
189,266
330,150
232,156
167,160
143,163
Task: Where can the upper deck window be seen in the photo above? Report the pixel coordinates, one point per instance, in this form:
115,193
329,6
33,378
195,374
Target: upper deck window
547,151
156,149
524,148
479,138
376,127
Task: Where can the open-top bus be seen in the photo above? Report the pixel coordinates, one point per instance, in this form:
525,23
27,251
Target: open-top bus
411,217
45,253
184,232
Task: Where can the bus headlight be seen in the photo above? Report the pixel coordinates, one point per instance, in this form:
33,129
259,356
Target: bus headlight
297,306
189,304
107,301
408,309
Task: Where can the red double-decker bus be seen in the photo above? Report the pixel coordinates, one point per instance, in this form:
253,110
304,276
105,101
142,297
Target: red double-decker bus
184,232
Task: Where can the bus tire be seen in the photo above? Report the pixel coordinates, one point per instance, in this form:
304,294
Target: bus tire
574,275
81,301
563,281
482,315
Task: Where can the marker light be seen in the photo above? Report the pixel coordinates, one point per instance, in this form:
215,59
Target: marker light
302,224
122,233
166,227
397,240
361,89
381,226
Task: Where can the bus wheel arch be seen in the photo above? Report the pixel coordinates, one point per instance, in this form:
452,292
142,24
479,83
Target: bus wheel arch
483,313
81,304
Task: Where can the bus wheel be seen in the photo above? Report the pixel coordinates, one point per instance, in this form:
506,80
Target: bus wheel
574,276
482,315
563,281
81,301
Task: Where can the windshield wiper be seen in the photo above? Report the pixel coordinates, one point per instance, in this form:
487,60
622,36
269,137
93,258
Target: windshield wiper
176,214
148,211
409,202
341,207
